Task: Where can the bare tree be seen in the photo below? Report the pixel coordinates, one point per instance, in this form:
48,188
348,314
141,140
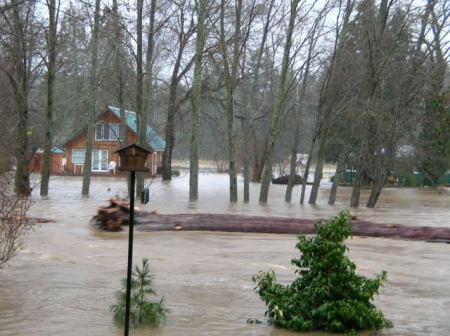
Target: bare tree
19,39
330,101
197,97
238,40
251,113
312,38
92,99
183,30
280,100
53,14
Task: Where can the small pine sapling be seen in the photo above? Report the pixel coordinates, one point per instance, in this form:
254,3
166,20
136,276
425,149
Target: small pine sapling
142,311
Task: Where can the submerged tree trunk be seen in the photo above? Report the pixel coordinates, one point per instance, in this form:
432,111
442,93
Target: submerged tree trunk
318,173
246,146
118,70
51,68
173,104
232,170
149,60
258,163
376,190
118,64
230,83
281,94
298,116
246,124
292,171
170,136
197,99
92,98
141,117
307,167
356,191
337,176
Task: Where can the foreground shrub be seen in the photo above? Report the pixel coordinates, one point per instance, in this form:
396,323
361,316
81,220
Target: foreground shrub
328,294
142,311
14,223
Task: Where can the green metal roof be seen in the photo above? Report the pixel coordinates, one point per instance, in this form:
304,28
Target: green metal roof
153,139
55,150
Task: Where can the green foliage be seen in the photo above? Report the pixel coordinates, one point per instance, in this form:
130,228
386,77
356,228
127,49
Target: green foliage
142,311
175,172
328,294
434,147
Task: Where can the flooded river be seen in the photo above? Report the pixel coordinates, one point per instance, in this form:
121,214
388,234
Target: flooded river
63,280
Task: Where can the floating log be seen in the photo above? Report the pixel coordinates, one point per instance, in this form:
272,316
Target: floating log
146,221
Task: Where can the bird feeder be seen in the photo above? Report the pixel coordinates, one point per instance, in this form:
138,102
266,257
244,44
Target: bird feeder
133,158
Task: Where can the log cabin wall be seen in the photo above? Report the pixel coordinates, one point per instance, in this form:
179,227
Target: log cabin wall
56,165
79,142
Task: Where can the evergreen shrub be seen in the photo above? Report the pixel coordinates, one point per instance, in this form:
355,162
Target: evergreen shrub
328,294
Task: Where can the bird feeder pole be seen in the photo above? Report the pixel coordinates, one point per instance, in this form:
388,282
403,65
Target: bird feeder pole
133,158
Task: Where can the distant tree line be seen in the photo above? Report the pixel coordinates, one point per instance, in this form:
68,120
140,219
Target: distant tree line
246,82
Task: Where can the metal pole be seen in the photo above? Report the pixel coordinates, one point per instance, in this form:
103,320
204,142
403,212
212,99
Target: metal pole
130,253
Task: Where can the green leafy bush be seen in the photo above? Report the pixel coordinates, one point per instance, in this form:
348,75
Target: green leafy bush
328,294
142,311
176,172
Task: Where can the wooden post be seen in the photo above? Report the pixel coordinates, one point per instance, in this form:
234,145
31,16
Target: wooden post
130,254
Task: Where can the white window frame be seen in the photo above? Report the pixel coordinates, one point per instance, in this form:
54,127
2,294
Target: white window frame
78,163
115,133
102,150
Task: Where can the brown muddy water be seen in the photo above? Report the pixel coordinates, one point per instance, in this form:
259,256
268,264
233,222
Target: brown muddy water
62,281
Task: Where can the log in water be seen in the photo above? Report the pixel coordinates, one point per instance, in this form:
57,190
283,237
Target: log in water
146,221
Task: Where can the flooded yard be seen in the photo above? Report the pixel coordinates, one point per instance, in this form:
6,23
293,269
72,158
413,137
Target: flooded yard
63,280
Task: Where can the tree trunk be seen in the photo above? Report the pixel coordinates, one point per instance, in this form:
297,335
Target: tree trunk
246,147
337,175
170,136
92,102
307,167
258,162
230,83
281,94
51,67
19,80
246,124
318,173
22,176
148,76
376,190
141,117
292,171
197,99
232,170
118,65
173,104
356,191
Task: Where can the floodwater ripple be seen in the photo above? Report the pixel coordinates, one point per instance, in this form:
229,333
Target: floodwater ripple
62,283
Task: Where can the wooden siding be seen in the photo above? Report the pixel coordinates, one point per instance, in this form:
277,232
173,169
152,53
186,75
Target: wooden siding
79,142
56,165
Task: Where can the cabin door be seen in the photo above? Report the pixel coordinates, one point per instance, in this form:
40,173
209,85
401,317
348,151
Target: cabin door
99,160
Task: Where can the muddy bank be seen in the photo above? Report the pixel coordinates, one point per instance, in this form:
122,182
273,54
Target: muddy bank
145,221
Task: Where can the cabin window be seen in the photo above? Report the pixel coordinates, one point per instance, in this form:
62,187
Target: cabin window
108,132
78,156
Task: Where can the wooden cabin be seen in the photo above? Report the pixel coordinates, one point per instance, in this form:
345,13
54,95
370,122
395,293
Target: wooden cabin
108,137
57,163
